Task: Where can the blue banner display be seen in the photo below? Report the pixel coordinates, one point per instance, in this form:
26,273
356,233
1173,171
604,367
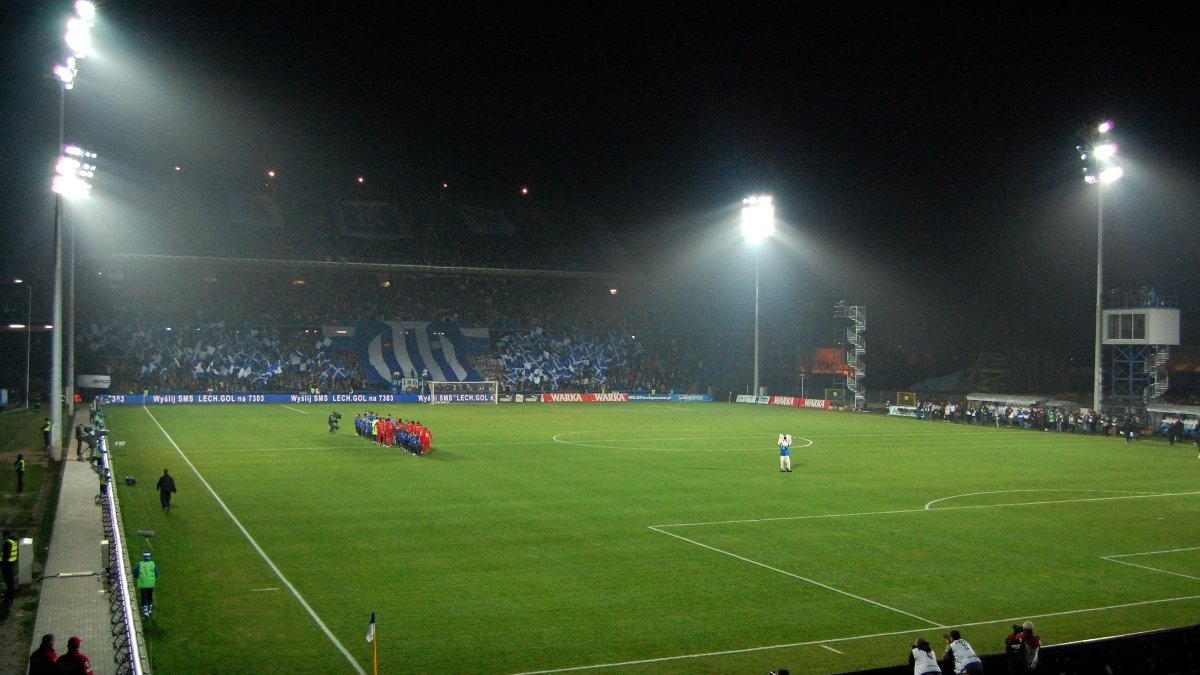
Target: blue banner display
389,350
673,398
366,397
242,398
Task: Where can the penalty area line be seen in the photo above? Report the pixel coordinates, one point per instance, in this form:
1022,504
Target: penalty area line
851,638
263,554
793,575
302,412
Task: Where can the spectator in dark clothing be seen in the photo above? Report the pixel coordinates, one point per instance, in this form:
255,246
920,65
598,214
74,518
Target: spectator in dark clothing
41,661
166,487
74,661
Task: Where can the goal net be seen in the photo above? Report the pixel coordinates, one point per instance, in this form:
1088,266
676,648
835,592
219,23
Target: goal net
464,392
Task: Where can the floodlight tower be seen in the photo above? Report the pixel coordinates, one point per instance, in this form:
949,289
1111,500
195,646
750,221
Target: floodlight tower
758,223
28,334
1099,169
71,172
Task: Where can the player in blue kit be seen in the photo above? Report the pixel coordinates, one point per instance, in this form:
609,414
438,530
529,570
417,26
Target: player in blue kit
785,453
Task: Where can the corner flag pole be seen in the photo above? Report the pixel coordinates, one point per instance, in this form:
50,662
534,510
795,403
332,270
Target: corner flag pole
374,649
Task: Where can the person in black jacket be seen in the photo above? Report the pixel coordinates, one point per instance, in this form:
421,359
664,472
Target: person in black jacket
166,487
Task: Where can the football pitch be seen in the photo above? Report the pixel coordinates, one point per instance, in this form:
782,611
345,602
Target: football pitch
641,538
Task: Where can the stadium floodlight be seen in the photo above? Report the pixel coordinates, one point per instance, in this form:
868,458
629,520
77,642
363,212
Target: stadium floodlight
70,179
72,171
758,223
758,218
1099,169
65,72
86,11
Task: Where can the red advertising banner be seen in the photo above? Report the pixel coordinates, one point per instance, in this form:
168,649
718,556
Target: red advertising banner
614,397
797,402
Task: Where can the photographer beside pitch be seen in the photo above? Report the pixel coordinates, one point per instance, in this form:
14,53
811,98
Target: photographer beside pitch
1022,647
921,658
964,657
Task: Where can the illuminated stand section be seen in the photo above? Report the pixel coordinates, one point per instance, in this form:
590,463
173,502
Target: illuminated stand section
464,392
855,318
1139,331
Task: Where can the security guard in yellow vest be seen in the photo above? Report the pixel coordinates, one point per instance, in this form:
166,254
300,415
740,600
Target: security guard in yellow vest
8,564
46,426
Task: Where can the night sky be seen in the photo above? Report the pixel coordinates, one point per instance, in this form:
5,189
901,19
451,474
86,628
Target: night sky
921,155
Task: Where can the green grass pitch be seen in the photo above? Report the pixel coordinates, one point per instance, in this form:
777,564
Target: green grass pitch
641,538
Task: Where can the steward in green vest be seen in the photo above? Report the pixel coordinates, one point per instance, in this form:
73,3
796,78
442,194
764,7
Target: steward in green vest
147,576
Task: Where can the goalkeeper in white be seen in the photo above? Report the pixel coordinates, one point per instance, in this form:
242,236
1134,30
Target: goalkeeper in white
785,453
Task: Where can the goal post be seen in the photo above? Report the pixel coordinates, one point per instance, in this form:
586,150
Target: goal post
464,392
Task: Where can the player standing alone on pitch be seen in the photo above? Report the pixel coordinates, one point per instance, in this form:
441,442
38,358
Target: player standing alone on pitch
785,453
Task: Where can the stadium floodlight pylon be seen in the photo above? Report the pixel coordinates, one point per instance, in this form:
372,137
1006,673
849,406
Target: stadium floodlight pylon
487,391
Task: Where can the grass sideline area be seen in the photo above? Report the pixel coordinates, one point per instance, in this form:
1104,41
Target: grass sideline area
641,538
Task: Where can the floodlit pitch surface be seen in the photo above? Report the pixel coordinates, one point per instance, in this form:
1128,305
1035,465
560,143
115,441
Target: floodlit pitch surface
641,538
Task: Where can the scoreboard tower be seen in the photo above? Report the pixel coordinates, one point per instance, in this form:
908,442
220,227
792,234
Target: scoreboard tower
1138,333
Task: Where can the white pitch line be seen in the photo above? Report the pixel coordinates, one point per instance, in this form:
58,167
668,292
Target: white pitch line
1172,550
1152,569
929,505
793,575
302,412
295,593
1044,502
833,650
851,638
1113,558
261,590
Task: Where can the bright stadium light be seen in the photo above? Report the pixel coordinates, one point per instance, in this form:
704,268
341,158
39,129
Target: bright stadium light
758,223
72,172
86,10
758,218
1099,169
70,179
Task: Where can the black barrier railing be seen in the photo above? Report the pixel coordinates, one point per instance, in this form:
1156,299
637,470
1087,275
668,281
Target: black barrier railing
1170,651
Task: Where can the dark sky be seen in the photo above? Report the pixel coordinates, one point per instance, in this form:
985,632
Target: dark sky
921,154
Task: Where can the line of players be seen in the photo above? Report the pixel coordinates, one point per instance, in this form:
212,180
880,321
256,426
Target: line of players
383,430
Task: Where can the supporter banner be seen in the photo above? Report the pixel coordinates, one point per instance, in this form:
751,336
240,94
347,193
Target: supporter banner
371,220
614,397
674,398
93,381
418,349
902,410
1190,428
245,397
797,402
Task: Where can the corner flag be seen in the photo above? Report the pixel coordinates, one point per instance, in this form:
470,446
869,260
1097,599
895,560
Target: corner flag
374,645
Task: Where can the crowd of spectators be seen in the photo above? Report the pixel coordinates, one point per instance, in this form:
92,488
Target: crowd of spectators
1036,417
251,329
